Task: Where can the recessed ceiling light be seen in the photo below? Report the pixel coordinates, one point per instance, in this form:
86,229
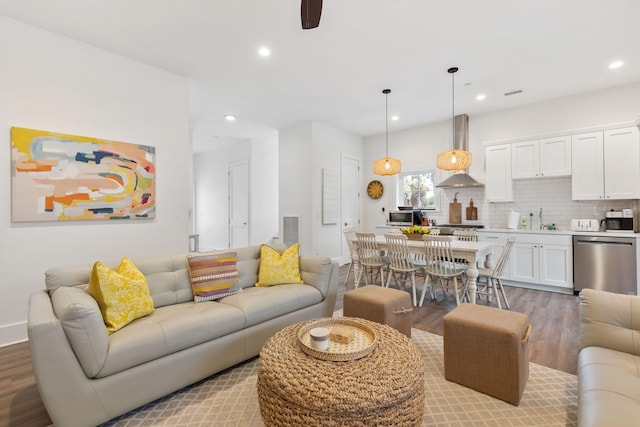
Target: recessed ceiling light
264,52
616,64
395,118
229,117
481,97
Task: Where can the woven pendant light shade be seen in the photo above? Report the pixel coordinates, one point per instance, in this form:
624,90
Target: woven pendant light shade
454,160
387,166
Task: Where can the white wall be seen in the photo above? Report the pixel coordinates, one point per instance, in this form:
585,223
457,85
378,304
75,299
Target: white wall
305,149
211,181
329,144
418,147
57,84
264,205
295,179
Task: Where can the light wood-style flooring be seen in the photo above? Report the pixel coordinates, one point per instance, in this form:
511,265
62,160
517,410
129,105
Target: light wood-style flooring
553,341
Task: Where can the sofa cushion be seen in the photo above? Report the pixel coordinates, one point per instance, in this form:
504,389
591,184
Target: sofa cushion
83,325
168,279
122,294
608,387
167,276
167,330
278,268
261,304
213,275
248,264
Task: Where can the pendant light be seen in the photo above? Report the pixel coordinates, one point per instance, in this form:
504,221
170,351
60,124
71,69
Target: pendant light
453,160
387,165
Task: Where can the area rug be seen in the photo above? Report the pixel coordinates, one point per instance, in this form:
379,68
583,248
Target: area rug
230,399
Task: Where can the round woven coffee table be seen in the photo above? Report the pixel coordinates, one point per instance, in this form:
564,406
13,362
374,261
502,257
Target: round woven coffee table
385,388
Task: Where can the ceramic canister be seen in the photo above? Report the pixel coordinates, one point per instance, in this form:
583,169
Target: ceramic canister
319,338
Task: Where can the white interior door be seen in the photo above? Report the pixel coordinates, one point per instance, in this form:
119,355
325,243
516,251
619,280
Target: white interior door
350,199
239,204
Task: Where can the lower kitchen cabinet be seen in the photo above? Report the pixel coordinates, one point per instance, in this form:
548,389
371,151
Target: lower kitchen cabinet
544,264
539,261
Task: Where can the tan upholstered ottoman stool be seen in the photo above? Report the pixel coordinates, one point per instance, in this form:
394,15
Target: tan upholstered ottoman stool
383,305
486,349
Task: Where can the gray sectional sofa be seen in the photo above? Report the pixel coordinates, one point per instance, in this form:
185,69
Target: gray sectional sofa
87,377
609,359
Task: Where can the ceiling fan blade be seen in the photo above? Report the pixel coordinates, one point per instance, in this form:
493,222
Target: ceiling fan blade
310,11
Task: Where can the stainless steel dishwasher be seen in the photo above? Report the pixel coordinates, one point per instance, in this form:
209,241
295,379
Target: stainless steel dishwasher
605,263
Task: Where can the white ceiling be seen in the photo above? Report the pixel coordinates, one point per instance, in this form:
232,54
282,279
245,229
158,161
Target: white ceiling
335,74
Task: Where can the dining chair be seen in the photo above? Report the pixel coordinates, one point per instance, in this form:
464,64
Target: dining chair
464,236
402,261
370,256
350,237
441,267
491,277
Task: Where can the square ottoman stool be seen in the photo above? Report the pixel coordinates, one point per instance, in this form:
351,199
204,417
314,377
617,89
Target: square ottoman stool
486,349
383,305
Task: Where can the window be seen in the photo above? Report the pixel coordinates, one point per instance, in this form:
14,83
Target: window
417,189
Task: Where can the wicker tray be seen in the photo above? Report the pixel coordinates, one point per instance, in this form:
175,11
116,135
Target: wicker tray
363,343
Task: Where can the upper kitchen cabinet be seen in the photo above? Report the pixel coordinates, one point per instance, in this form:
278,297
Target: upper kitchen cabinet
498,186
606,165
548,157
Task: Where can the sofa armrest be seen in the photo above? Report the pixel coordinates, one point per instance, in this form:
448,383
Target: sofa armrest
610,320
317,271
65,390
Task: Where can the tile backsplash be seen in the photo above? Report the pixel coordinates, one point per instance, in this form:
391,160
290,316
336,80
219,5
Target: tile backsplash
553,195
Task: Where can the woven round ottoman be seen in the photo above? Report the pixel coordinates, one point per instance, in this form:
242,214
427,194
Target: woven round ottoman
385,388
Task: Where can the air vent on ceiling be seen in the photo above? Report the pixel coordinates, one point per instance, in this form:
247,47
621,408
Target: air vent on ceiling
515,92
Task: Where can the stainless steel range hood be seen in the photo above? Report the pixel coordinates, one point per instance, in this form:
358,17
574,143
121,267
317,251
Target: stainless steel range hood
460,142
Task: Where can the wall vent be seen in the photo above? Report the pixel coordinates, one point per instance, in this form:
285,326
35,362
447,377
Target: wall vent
290,230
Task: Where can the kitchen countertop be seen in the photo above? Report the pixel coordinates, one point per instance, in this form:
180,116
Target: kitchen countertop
560,232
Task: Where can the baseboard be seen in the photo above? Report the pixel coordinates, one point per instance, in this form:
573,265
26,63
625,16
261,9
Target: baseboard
13,334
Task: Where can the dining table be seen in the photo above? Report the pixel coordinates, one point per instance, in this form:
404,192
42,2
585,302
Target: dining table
472,252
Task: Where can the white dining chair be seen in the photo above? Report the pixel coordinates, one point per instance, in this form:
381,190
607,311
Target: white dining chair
490,277
402,262
464,236
440,266
350,237
370,257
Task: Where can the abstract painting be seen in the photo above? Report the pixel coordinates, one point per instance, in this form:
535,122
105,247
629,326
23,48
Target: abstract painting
59,177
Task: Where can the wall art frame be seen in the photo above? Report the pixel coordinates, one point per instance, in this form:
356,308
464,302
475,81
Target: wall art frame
62,177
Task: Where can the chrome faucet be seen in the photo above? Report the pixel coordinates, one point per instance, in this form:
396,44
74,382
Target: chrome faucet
540,217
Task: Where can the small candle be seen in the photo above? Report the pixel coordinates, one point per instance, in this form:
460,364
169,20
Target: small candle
319,338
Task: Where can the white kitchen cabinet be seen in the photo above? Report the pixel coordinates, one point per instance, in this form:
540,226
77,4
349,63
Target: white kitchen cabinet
587,154
542,259
606,165
498,185
622,163
547,157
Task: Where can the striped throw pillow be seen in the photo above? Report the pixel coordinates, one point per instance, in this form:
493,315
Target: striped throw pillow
213,275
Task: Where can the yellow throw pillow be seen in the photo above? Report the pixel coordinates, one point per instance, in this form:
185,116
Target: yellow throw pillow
279,268
122,295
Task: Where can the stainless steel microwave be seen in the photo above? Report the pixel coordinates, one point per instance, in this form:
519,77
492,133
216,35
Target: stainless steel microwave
400,218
